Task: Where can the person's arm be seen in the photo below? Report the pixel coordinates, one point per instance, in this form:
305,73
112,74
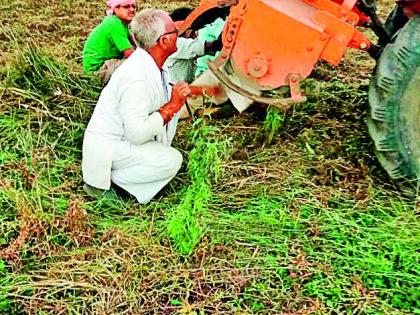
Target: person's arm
128,52
212,47
122,41
141,123
180,91
188,48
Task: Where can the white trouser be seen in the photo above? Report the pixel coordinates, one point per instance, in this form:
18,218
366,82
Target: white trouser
147,170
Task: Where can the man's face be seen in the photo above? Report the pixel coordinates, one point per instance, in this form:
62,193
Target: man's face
125,12
171,34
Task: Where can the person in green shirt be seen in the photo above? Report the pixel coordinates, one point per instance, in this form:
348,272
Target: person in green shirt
110,41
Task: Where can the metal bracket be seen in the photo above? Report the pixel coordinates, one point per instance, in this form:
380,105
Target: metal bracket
295,90
281,104
229,42
229,36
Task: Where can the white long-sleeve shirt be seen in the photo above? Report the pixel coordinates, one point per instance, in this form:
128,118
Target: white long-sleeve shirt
126,114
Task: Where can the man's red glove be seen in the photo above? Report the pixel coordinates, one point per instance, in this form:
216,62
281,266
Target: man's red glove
180,91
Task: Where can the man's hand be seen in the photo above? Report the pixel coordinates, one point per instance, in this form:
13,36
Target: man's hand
180,92
211,48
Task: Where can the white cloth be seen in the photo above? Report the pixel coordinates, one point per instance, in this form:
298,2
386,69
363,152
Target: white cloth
240,102
126,139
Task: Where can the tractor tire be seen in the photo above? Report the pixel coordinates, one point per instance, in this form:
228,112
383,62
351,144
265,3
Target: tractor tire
394,104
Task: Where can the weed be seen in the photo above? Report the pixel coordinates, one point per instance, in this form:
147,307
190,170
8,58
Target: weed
272,123
305,225
204,168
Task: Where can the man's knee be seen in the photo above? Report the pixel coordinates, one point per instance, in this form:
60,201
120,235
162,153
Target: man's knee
174,162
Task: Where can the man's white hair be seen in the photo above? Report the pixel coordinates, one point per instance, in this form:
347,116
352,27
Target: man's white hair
147,26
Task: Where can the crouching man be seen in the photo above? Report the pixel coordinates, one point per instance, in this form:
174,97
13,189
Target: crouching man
110,42
128,138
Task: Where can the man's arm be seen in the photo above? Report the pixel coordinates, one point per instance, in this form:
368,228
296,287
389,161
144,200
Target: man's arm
188,48
212,47
122,41
141,123
180,91
128,52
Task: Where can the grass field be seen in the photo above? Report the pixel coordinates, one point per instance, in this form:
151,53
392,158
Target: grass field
270,214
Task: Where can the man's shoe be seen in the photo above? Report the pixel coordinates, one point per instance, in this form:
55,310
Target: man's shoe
98,193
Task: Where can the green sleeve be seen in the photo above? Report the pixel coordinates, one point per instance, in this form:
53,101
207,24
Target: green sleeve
119,36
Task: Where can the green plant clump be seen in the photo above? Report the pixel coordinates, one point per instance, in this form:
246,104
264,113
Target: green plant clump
204,168
37,72
272,123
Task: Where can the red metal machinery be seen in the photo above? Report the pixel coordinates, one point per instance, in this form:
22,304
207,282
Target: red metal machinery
273,43
278,42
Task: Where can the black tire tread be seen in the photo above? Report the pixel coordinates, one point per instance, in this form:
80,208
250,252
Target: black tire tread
396,67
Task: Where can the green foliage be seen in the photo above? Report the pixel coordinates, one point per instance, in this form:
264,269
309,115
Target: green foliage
5,280
322,246
273,122
204,168
303,225
35,71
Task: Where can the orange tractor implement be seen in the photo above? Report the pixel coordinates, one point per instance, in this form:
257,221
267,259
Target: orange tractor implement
306,31
272,43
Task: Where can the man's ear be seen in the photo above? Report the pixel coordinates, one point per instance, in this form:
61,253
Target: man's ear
163,42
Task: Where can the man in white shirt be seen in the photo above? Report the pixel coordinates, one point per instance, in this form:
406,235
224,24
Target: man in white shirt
128,138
